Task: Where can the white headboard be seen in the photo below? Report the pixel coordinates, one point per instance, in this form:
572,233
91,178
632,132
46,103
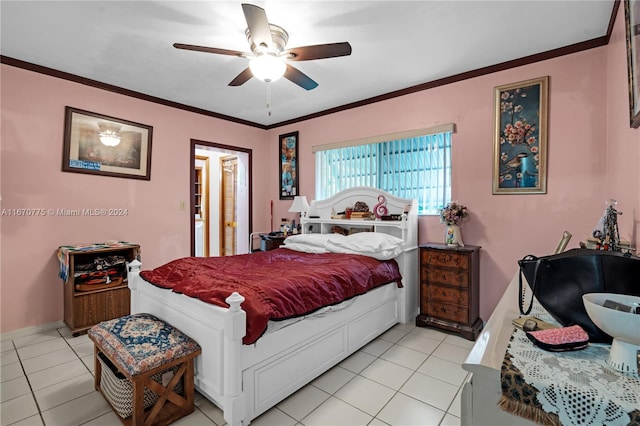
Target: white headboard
347,198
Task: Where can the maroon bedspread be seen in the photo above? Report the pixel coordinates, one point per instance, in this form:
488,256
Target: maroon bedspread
276,284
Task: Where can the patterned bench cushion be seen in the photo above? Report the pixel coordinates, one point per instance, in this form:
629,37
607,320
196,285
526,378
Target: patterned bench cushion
141,342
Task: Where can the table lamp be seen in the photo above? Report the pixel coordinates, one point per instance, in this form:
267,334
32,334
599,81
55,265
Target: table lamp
300,205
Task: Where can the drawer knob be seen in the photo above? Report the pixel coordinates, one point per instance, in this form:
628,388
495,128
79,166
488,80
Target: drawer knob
444,276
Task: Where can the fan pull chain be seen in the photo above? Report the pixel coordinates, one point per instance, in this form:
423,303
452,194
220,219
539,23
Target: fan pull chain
269,98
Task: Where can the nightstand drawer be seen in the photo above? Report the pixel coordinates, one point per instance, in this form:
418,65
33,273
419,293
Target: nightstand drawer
449,259
455,277
459,314
448,295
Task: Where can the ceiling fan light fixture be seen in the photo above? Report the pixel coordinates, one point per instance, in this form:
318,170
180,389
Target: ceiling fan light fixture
267,67
109,134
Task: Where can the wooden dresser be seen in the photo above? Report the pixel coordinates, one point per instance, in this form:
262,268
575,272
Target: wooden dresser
449,287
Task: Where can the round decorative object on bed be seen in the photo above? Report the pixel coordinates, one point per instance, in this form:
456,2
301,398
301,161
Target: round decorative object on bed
360,206
621,322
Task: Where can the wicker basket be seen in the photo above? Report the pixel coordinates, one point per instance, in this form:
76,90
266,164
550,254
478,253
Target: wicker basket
119,391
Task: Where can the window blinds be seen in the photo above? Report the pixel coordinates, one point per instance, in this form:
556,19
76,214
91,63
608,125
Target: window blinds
414,166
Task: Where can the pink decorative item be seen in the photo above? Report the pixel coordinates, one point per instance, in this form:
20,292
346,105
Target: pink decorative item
380,209
560,339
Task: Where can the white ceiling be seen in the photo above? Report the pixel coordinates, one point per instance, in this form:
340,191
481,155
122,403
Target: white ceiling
396,45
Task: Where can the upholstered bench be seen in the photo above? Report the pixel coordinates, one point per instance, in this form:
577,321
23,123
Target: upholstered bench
144,369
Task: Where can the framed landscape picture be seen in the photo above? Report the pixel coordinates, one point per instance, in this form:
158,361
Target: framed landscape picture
520,137
101,145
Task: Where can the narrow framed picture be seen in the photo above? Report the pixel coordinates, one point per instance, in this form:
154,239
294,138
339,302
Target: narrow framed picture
289,166
632,29
520,137
101,145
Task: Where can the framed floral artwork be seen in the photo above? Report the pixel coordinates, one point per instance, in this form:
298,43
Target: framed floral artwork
520,137
289,166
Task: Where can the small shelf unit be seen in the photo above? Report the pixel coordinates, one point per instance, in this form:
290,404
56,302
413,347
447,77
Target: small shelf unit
87,305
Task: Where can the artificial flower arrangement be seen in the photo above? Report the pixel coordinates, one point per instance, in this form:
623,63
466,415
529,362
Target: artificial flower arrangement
453,213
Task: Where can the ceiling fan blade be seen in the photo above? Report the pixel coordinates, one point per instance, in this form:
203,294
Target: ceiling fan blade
258,25
209,49
242,78
299,78
319,51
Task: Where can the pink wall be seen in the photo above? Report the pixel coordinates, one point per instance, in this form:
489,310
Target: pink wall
593,155
32,131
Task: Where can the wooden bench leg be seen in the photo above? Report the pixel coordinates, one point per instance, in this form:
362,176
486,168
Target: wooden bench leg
188,385
137,418
97,368
181,405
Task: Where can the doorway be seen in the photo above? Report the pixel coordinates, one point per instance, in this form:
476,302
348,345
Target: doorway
220,199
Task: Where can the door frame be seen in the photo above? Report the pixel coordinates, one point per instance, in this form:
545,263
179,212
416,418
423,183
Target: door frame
192,175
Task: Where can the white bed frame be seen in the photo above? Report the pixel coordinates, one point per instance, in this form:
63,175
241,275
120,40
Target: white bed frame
247,380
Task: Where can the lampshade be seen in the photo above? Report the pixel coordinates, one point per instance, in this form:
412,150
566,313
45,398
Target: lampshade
267,67
109,134
299,205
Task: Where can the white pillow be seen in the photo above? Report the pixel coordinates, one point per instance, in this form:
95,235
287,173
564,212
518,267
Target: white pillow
316,240
373,244
305,248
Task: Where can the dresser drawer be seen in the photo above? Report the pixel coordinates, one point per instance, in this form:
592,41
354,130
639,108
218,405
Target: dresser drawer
449,259
455,277
455,313
447,295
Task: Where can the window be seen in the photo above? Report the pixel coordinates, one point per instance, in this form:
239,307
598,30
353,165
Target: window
409,166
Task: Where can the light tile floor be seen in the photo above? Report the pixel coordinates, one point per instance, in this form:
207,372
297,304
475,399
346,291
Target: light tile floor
407,376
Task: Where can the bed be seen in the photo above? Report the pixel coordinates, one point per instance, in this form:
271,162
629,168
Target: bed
245,380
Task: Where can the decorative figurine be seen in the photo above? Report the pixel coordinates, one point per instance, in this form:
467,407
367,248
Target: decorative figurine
380,209
607,232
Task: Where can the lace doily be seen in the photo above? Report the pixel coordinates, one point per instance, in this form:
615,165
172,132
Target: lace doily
578,386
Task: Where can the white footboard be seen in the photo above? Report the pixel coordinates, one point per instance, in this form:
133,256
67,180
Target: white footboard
219,331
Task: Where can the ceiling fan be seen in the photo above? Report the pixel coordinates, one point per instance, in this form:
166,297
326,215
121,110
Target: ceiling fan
269,53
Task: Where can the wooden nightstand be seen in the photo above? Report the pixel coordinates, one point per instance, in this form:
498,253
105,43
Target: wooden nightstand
449,287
